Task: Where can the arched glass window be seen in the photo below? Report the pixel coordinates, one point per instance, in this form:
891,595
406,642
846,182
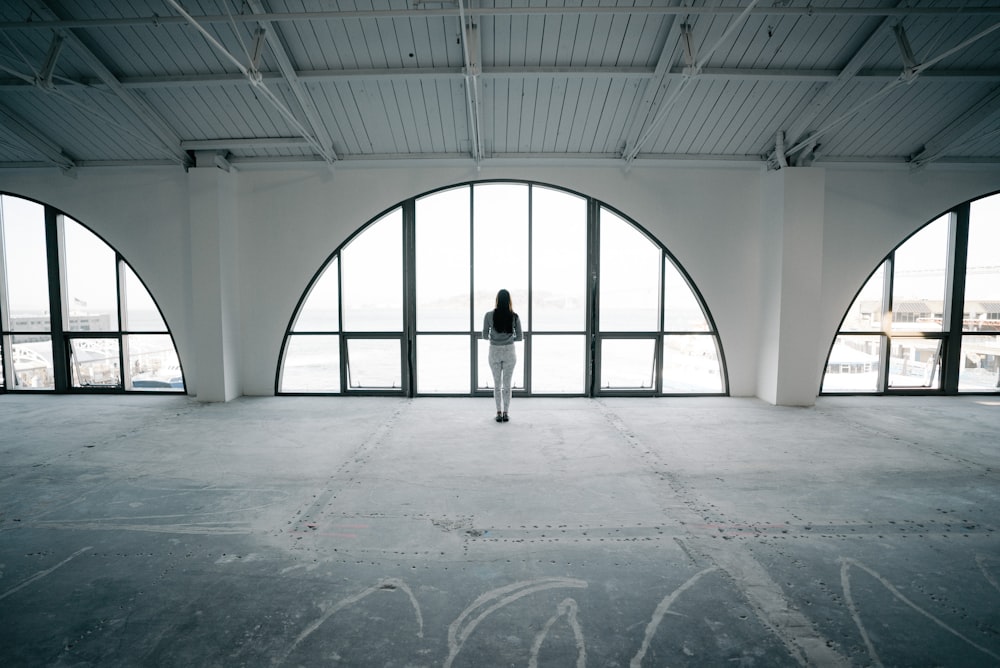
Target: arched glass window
74,316
928,318
399,308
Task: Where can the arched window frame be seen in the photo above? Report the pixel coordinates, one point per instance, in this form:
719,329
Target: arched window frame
339,340
62,337
946,379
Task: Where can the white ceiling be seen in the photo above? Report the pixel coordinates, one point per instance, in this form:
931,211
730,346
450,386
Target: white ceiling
624,82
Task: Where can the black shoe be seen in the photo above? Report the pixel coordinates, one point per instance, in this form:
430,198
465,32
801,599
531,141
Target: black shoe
505,418
499,418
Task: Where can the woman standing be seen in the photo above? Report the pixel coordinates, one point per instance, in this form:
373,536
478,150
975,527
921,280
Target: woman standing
502,327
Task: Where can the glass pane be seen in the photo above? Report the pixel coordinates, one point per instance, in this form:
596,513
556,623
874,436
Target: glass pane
915,363
629,279
141,312
319,312
691,364
865,314
443,364
374,364
484,378
853,364
312,364
152,363
94,363
91,301
982,276
442,261
627,364
3,370
558,261
557,364
681,308
25,259
918,282
980,369
373,277
500,236
32,358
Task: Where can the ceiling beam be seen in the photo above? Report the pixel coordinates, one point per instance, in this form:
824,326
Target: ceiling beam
291,77
694,64
834,88
159,127
908,75
32,137
967,129
244,143
255,80
805,10
428,73
654,86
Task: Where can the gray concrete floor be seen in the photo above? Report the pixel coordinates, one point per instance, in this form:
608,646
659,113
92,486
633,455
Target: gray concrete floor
157,531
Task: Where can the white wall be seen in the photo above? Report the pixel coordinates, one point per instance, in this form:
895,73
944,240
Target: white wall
291,219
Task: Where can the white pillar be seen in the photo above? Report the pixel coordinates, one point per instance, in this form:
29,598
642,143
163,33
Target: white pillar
791,282
214,282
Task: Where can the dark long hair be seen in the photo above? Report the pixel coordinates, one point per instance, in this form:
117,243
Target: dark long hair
503,314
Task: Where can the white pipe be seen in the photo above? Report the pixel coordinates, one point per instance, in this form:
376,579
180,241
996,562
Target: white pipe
470,82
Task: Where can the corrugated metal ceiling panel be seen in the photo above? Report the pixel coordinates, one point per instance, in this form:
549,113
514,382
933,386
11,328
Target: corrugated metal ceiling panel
553,83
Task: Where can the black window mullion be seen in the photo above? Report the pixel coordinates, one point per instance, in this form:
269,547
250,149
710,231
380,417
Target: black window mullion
474,349
593,285
526,363
124,373
886,340
955,299
658,347
409,298
56,259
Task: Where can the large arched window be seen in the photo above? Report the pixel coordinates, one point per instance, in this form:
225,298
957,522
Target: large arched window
398,309
928,318
74,316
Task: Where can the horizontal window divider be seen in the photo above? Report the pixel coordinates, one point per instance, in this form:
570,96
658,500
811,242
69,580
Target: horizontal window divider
918,335
628,335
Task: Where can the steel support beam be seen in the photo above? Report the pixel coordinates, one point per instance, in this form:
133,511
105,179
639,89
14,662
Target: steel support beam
288,72
836,87
655,86
964,130
35,139
244,143
906,77
20,82
256,80
691,71
159,127
992,9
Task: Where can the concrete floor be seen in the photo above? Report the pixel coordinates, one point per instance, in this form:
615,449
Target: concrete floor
157,531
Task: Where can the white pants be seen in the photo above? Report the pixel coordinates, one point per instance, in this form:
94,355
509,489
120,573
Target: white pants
502,361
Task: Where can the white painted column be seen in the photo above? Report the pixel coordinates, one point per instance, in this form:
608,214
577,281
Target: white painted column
215,282
791,282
